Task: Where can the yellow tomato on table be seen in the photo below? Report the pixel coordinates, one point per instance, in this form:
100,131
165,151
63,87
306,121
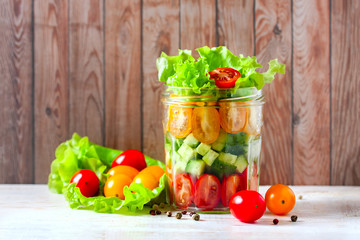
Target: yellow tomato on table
123,169
114,186
154,170
147,179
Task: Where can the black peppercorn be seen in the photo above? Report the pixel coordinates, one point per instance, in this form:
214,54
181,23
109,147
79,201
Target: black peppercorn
294,218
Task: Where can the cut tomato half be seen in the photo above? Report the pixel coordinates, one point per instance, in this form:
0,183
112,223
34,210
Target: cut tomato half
225,77
232,118
179,124
206,124
183,190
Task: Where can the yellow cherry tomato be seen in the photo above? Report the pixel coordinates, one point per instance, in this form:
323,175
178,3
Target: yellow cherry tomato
154,170
123,169
232,118
280,199
206,124
147,179
179,124
114,186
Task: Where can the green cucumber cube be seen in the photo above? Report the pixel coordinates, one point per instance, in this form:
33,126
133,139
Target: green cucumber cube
210,157
186,152
219,144
227,158
221,169
195,167
179,167
191,140
203,149
241,163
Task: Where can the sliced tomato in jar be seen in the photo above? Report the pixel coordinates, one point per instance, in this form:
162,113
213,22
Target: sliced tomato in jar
225,77
230,186
179,124
207,192
232,117
206,124
183,190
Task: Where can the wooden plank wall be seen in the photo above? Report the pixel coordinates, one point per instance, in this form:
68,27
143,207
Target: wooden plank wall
89,66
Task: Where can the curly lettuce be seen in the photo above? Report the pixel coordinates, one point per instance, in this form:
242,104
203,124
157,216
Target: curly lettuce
79,153
184,71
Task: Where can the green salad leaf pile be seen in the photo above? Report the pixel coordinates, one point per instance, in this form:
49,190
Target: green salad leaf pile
184,71
79,153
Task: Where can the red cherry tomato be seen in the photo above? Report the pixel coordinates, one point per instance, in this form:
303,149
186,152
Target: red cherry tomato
183,190
231,185
225,77
132,158
280,199
247,206
207,192
87,181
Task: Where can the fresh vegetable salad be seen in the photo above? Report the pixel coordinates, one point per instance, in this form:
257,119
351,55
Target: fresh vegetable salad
212,125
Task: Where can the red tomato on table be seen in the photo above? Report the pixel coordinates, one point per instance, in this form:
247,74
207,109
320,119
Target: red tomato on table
87,181
132,158
247,206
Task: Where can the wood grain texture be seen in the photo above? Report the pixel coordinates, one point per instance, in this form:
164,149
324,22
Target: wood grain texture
161,31
51,82
345,101
236,25
123,74
311,94
16,132
86,67
197,24
273,40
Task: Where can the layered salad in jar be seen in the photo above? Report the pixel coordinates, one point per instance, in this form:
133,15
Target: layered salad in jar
212,125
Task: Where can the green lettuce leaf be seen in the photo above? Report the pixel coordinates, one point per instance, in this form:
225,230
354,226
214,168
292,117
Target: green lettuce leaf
191,74
184,71
166,64
79,153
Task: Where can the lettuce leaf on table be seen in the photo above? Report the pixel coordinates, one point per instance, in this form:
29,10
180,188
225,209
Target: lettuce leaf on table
79,153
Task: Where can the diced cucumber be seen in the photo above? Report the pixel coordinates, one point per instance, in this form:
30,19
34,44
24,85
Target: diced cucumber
210,157
227,158
241,163
219,144
236,143
203,149
220,169
237,149
178,142
236,138
178,163
191,140
195,167
186,152
179,167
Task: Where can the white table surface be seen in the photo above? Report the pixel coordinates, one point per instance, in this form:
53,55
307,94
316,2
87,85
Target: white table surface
32,212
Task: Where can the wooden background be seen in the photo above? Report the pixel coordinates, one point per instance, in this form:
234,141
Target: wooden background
89,66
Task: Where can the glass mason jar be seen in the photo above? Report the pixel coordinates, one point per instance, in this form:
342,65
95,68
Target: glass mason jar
212,144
